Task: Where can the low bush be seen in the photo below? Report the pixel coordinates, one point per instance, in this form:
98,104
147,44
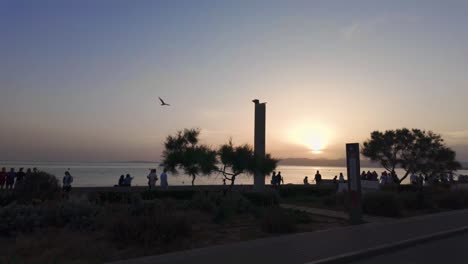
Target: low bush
26,218
338,200
174,194
148,226
114,197
277,220
6,197
382,204
38,186
263,199
416,200
453,200
293,191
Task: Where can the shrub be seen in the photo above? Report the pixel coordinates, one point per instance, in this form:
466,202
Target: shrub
114,197
416,200
38,186
264,199
174,194
150,226
293,191
26,218
276,220
7,197
382,204
453,200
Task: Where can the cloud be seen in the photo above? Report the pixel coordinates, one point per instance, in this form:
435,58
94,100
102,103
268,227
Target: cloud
372,25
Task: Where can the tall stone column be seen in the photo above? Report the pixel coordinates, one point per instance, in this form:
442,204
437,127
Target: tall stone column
259,143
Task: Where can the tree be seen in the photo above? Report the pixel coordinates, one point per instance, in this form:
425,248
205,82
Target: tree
416,151
237,160
183,151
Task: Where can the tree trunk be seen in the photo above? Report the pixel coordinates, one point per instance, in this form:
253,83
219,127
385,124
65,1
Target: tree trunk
404,177
233,178
193,179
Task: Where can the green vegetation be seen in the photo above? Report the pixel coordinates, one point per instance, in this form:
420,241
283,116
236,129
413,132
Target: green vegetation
183,151
416,151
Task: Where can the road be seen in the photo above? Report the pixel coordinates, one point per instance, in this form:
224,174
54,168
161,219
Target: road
451,250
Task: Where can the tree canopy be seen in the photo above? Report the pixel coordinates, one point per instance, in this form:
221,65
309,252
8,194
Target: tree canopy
183,151
415,150
236,160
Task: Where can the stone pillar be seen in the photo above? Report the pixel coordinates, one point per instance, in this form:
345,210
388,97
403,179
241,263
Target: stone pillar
259,143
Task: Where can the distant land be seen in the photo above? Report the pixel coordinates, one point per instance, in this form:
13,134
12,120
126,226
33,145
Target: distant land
323,162
335,163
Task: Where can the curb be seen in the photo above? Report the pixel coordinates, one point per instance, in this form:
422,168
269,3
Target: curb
384,249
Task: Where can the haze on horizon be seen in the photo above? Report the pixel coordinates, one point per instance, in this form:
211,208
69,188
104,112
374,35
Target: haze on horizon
80,80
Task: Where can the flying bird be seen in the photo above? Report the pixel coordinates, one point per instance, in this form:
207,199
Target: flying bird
162,102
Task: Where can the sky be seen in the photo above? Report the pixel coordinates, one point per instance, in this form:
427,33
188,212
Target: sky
79,80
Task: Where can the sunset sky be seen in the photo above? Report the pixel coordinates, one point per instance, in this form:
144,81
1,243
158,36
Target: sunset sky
79,80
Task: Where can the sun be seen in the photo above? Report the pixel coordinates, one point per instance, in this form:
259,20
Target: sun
315,137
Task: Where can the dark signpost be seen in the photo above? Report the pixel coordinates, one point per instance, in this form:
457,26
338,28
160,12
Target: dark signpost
353,165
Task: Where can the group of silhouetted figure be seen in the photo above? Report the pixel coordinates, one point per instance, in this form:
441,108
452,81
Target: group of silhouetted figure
14,179
126,181
277,179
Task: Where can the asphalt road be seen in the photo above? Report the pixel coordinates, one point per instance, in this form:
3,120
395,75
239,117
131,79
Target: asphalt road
451,250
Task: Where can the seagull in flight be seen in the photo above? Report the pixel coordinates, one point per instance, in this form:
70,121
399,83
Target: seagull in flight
162,102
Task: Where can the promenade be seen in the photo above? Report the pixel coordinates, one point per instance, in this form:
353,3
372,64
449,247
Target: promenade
325,246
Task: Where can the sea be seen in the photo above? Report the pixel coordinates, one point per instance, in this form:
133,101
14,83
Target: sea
106,174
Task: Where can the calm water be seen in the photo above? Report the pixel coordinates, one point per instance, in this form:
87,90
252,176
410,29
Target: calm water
107,174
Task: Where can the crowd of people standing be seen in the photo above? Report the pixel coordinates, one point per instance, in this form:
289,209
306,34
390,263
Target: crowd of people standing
126,181
13,179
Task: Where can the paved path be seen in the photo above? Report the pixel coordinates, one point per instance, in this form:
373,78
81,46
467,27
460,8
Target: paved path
335,214
309,247
450,250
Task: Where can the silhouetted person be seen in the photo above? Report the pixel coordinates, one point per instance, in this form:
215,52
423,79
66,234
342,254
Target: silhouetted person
318,177
279,179
375,176
341,179
152,179
273,178
67,182
335,180
28,172
3,176
20,175
164,183
224,182
414,179
363,175
122,180
10,179
34,170
128,180
306,180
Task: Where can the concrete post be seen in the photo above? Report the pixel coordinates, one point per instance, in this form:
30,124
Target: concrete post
259,143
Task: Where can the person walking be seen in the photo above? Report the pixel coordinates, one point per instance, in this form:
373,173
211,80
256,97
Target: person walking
3,176
67,182
10,179
152,179
318,178
164,183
